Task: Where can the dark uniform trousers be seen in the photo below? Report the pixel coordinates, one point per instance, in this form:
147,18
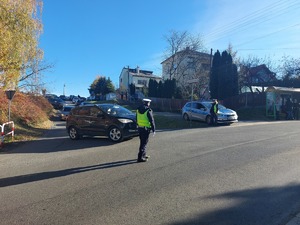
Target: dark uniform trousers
144,137
214,118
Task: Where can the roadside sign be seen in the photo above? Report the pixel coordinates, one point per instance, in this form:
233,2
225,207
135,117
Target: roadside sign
10,94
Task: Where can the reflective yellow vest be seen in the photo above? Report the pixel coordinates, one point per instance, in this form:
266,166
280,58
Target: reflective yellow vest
142,119
215,108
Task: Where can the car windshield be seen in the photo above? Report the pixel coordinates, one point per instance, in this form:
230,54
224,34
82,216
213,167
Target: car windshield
115,110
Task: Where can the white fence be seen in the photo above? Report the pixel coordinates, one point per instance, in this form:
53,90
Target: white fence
10,132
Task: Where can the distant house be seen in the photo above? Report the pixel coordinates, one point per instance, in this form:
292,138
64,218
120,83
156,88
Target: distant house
184,64
260,74
256,77
140,78
188,66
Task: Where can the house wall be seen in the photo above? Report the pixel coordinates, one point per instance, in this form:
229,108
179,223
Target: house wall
138,79
188,67
123,80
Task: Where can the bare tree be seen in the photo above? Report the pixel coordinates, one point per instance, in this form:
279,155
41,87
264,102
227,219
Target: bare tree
233,53
184,61
31,79
290,68
245,66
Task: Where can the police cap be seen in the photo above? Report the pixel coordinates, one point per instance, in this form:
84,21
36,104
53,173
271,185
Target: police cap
146,100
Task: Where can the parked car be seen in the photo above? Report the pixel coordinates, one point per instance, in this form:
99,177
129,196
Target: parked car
55,101
111,120
200,110
65,111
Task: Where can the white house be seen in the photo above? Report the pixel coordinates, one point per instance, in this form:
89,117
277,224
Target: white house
187,67
140,78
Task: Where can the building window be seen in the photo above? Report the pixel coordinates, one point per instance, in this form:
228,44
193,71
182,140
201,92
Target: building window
143,82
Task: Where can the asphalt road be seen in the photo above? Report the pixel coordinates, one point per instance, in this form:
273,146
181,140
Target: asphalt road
246,173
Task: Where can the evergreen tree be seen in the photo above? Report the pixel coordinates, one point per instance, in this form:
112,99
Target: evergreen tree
101,86
214,76
160,88
152,88
109,85
224,76
166,89
132,89
235,81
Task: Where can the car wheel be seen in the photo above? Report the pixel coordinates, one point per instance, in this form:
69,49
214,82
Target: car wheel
73,133
115,134
208,120
186,117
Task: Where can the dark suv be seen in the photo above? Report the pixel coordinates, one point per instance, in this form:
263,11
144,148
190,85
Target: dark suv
111,120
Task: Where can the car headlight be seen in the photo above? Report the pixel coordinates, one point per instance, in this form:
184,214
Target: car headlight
125,120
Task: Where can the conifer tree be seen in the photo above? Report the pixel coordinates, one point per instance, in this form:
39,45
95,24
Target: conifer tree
214,76
224,76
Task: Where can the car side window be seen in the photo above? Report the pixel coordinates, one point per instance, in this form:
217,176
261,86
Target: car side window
84,111
194,105
198,106
95,111
74,111
201,106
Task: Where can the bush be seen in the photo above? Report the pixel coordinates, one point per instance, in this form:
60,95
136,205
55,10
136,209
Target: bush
25,109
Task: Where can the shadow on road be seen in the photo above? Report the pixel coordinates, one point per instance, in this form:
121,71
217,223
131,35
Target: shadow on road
27,178
56,140
266,205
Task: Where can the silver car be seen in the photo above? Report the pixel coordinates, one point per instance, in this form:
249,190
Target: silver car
197,110
65,111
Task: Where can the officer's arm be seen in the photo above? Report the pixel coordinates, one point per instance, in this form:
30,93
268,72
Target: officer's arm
151,120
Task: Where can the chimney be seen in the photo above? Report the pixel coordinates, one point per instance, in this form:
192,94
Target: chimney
138,70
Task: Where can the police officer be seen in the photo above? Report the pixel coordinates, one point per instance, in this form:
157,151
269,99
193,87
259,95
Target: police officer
214,112
145,122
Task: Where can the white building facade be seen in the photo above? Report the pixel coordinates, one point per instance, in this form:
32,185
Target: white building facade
187,66
140,79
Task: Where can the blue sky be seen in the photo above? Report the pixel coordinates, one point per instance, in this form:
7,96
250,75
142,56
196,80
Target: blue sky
84,39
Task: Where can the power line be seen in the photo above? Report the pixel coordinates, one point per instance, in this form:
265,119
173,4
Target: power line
265,49
253,19
238,22
258,16
267,35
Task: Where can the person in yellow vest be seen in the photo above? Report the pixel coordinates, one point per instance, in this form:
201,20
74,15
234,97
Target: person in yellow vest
214,112
146,124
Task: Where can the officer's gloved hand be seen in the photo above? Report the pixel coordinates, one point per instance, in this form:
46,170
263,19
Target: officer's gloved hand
153,134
